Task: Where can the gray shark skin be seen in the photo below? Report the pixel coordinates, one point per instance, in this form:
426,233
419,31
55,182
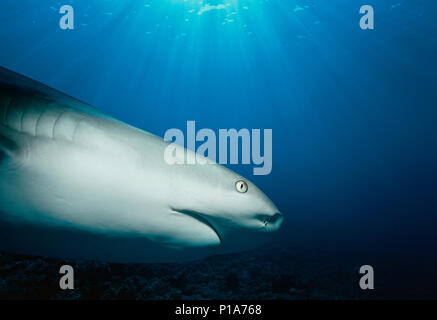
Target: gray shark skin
76,183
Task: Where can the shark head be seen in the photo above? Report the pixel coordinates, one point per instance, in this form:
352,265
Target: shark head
235,213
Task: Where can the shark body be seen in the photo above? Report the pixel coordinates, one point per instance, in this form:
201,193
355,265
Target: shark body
77,183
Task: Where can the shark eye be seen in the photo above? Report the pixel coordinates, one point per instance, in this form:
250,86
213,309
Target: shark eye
241,186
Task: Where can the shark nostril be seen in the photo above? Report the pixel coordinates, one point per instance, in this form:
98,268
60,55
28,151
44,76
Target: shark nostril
272,220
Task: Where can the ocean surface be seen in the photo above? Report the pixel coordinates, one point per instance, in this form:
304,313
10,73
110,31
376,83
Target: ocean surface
353,114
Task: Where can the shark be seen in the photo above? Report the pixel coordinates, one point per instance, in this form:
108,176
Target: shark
76,183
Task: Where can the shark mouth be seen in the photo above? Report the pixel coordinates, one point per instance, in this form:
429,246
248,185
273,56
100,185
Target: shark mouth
199,217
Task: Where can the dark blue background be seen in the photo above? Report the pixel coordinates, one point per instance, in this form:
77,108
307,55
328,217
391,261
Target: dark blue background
353,112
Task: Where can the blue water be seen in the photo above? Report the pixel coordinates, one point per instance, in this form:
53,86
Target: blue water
353,112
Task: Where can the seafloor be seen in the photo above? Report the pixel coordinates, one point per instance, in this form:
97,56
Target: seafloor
261,274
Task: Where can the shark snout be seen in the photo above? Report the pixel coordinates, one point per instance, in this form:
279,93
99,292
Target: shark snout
274,222
270,222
